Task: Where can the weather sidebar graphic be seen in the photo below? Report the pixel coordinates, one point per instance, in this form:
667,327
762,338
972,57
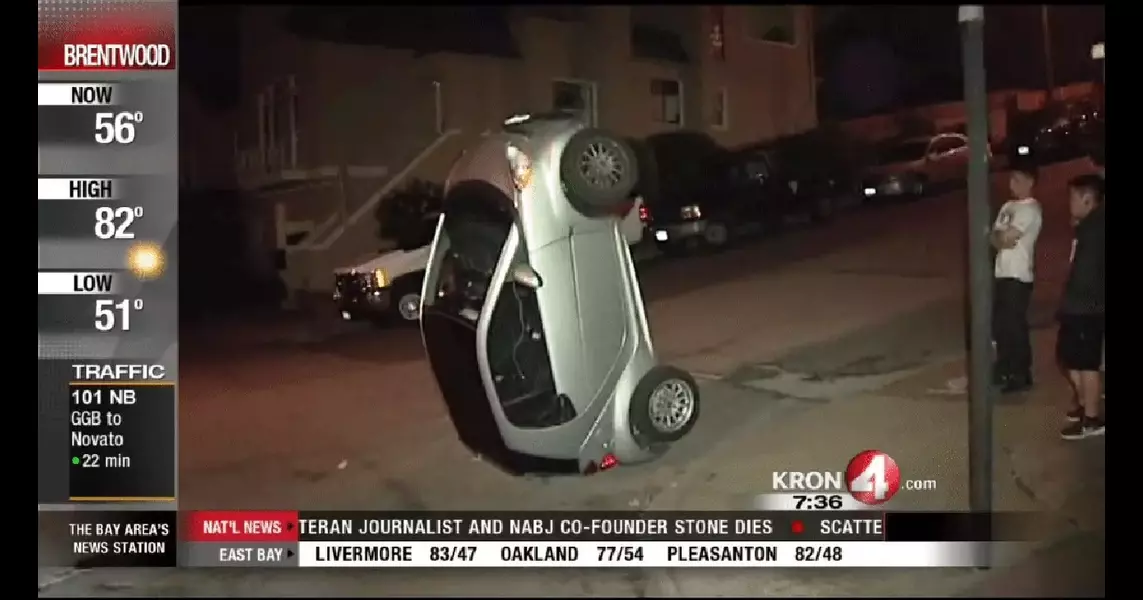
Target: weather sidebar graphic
108,200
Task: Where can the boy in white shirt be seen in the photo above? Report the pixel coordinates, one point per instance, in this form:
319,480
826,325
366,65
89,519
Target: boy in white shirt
1014,236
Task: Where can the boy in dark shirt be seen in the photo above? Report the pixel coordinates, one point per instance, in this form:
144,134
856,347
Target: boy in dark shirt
1079,344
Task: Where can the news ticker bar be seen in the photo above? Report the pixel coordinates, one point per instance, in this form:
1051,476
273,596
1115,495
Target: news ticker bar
284,538
107,251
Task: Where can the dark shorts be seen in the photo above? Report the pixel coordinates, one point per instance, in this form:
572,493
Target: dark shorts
1079,343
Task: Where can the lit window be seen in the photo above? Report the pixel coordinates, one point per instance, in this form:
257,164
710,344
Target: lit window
720,114
667,97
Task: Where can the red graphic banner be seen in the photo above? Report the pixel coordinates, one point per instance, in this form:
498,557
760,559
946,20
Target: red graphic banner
106,35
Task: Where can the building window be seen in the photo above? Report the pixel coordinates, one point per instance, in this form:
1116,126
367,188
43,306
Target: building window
720,114
654,43
575,97
568,96
667,95
777,24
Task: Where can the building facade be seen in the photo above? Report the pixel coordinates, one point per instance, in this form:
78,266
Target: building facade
338,109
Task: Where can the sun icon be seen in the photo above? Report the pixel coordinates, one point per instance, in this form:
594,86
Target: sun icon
146,260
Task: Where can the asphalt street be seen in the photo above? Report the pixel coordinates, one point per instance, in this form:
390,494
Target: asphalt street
349,417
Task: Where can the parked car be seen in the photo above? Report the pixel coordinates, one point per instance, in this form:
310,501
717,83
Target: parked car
822,168
751,189
913,167
1053,134
387,287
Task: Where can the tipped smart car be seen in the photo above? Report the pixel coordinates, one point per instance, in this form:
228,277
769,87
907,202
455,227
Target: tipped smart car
532,315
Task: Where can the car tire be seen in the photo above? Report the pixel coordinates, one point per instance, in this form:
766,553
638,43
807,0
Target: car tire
655,418
823,209
599,172
921,188
717,235
407,302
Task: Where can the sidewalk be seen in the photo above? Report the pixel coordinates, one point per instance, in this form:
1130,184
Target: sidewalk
921,420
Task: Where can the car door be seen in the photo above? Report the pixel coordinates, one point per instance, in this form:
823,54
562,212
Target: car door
958,156
734,191
765,202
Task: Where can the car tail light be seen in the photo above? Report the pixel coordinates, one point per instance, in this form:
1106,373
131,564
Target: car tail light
521,167
608,462
644,214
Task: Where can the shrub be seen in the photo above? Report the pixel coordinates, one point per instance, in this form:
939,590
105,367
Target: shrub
402,213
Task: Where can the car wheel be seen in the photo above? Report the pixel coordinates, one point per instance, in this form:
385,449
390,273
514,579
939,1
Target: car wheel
406,307
716,235
409,306
823,209
664,407
920,187
599,172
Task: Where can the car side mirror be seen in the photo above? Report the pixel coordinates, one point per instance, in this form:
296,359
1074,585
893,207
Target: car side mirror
526,276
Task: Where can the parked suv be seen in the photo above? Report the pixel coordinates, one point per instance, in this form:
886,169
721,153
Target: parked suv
750,190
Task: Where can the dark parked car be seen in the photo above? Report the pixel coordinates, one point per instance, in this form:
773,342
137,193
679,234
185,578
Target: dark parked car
749,190
1053,134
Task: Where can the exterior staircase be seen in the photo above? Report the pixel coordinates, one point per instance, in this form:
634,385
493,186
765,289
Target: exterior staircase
345,239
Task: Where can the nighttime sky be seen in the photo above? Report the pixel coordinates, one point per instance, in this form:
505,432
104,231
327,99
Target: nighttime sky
871,58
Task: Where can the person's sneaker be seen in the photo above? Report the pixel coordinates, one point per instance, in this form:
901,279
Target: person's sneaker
1087,427
1015,385
1074,415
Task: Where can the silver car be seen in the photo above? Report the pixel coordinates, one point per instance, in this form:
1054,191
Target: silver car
532,315
918,166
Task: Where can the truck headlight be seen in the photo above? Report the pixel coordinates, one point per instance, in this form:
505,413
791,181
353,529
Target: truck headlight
381,278
691,212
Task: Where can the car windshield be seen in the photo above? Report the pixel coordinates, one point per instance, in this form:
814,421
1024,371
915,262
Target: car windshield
905,152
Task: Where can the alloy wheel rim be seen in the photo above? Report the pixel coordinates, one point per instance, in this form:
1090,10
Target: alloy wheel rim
410,307
672,406
600,166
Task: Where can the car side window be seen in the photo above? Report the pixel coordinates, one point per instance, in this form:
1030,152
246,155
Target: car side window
756,169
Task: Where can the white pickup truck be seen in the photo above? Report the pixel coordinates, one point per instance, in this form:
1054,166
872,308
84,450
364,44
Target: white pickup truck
387,287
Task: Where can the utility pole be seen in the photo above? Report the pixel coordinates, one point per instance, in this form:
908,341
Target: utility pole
980,271
1046,36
